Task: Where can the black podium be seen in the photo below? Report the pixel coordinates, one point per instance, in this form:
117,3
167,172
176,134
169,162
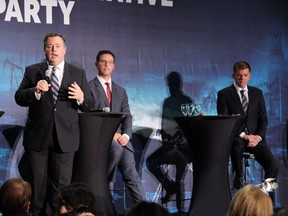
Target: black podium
91,161
210,139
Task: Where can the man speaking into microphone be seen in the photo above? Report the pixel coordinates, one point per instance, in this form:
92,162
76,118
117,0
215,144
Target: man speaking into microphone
109,94
51,134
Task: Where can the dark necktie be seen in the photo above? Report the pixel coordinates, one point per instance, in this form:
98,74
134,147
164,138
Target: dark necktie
108,92
244,101
54,84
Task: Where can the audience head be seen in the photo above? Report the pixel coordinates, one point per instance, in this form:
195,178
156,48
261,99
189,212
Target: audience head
250,200
15,195
282,212
76,199
144,208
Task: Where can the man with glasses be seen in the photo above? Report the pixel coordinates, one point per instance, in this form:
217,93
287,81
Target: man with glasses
109,94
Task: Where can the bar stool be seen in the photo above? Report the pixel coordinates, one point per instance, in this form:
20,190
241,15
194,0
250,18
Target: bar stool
179,199
245,166
246,157
116,191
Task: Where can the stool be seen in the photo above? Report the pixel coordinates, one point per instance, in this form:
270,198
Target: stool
115,194
179,200
246,157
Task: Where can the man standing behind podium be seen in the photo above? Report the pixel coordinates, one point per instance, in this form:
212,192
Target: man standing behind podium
51,135
251,136
109,94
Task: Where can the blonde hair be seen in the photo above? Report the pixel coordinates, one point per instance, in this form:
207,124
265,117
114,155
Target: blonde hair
250,201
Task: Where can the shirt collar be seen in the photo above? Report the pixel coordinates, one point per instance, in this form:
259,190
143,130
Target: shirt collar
103,81
238,89
60,66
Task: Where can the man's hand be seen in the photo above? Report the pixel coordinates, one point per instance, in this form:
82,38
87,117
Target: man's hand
121,139
253,140
42,86
75,92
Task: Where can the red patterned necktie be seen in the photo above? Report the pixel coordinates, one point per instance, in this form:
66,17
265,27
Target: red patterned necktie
108,92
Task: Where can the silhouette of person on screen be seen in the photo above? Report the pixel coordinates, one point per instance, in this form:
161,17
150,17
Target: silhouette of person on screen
174,149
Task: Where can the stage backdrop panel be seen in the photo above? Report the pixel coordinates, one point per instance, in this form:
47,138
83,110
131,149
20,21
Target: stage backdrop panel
151,38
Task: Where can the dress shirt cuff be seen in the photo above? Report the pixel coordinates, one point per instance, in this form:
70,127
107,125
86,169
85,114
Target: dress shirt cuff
127,136
259,137
37,95
80,102
242,135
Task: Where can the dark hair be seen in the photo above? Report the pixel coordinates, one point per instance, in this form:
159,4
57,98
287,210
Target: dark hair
144,208
241,65
281,212
78,198
102,52
15,195
47,36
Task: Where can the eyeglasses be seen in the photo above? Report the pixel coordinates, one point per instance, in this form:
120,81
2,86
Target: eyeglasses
106,62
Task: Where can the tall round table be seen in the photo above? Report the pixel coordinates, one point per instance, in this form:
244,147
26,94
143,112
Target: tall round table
210,139
91,160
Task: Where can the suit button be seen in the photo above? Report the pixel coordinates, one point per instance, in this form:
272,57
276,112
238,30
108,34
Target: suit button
55,109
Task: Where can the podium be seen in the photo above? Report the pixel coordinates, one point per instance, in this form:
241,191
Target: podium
210,139
91,160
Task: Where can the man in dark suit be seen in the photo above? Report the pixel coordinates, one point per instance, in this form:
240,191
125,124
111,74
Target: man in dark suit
51,135
121,153
251,136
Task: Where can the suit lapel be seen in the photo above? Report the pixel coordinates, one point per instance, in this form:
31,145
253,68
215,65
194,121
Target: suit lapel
43,69
236,98
42,72
66,76
115,96
66,81
251,95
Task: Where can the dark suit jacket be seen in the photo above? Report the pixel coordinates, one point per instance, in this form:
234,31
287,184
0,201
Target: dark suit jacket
119,104
43,114
229,103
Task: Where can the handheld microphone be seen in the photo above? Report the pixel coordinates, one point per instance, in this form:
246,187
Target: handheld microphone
47,76
104,109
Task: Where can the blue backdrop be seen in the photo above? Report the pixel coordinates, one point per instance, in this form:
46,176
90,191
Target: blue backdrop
199,39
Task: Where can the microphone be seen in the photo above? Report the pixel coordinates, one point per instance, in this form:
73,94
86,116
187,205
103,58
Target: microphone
47,76
104,109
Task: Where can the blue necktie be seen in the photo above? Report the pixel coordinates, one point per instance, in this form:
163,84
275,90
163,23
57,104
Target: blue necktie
244,101
54,84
